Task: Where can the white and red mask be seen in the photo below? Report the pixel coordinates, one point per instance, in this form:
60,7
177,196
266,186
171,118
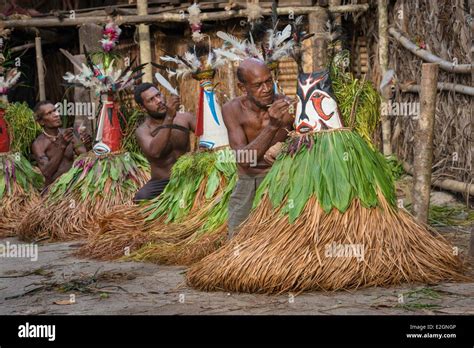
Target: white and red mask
317,108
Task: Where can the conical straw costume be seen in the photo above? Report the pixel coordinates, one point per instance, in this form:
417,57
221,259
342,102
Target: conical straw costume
19,181
199,181
103,178
206,231
325,217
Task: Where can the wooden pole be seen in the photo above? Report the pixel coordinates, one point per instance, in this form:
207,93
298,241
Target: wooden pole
427,56
383,61
40,68
317,25
446,184
172,17
423,157
89,36
144,39
442,86
231,80
471,242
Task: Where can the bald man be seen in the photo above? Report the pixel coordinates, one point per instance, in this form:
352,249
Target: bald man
255,122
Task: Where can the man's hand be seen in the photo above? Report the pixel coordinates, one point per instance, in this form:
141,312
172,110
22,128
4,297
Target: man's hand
66,137
86,139
172,105
279,113
273,152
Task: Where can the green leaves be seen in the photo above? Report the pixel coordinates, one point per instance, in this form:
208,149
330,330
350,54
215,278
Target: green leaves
187,176
337,169
22,127
19,171
2,184
212,184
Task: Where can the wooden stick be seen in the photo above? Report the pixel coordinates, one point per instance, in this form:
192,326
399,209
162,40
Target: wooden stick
172,17
317,25
231,80
471,242
144,39
423,156
40,68
428,56
446,184
442,86
22,47
383,61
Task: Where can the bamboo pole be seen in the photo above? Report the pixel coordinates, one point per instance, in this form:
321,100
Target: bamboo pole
40,68
173,17
144,39
442,86
471,242
428,56
317,25
446,184
383,61
423,158
231,80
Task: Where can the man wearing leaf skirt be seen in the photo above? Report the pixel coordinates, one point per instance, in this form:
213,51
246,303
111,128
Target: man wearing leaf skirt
163,137
257,123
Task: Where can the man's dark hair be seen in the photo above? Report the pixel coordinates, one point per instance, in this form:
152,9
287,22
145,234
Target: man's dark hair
36,110
240,75
142,87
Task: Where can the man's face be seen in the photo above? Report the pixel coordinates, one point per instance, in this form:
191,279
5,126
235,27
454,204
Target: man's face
49,117
259,86
154,103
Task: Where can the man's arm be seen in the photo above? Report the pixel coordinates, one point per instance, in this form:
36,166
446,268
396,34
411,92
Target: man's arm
154,146
237,138
189,121
48,165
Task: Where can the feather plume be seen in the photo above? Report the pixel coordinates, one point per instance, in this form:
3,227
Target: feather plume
283,35
231,39
227,54
164,82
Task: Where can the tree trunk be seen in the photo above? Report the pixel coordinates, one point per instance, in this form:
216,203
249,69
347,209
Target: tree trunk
317,25
423,156
383,61
471,243
144,39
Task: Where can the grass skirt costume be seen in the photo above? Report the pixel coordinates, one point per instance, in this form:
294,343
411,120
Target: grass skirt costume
325,217
20,182
100,179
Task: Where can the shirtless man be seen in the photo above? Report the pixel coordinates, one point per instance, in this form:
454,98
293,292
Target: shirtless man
255,122
55,148
162,137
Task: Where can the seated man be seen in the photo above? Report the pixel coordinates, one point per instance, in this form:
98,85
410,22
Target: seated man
163,136
55,148
256,123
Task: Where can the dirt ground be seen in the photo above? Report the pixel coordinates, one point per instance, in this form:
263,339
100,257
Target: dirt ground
60,283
